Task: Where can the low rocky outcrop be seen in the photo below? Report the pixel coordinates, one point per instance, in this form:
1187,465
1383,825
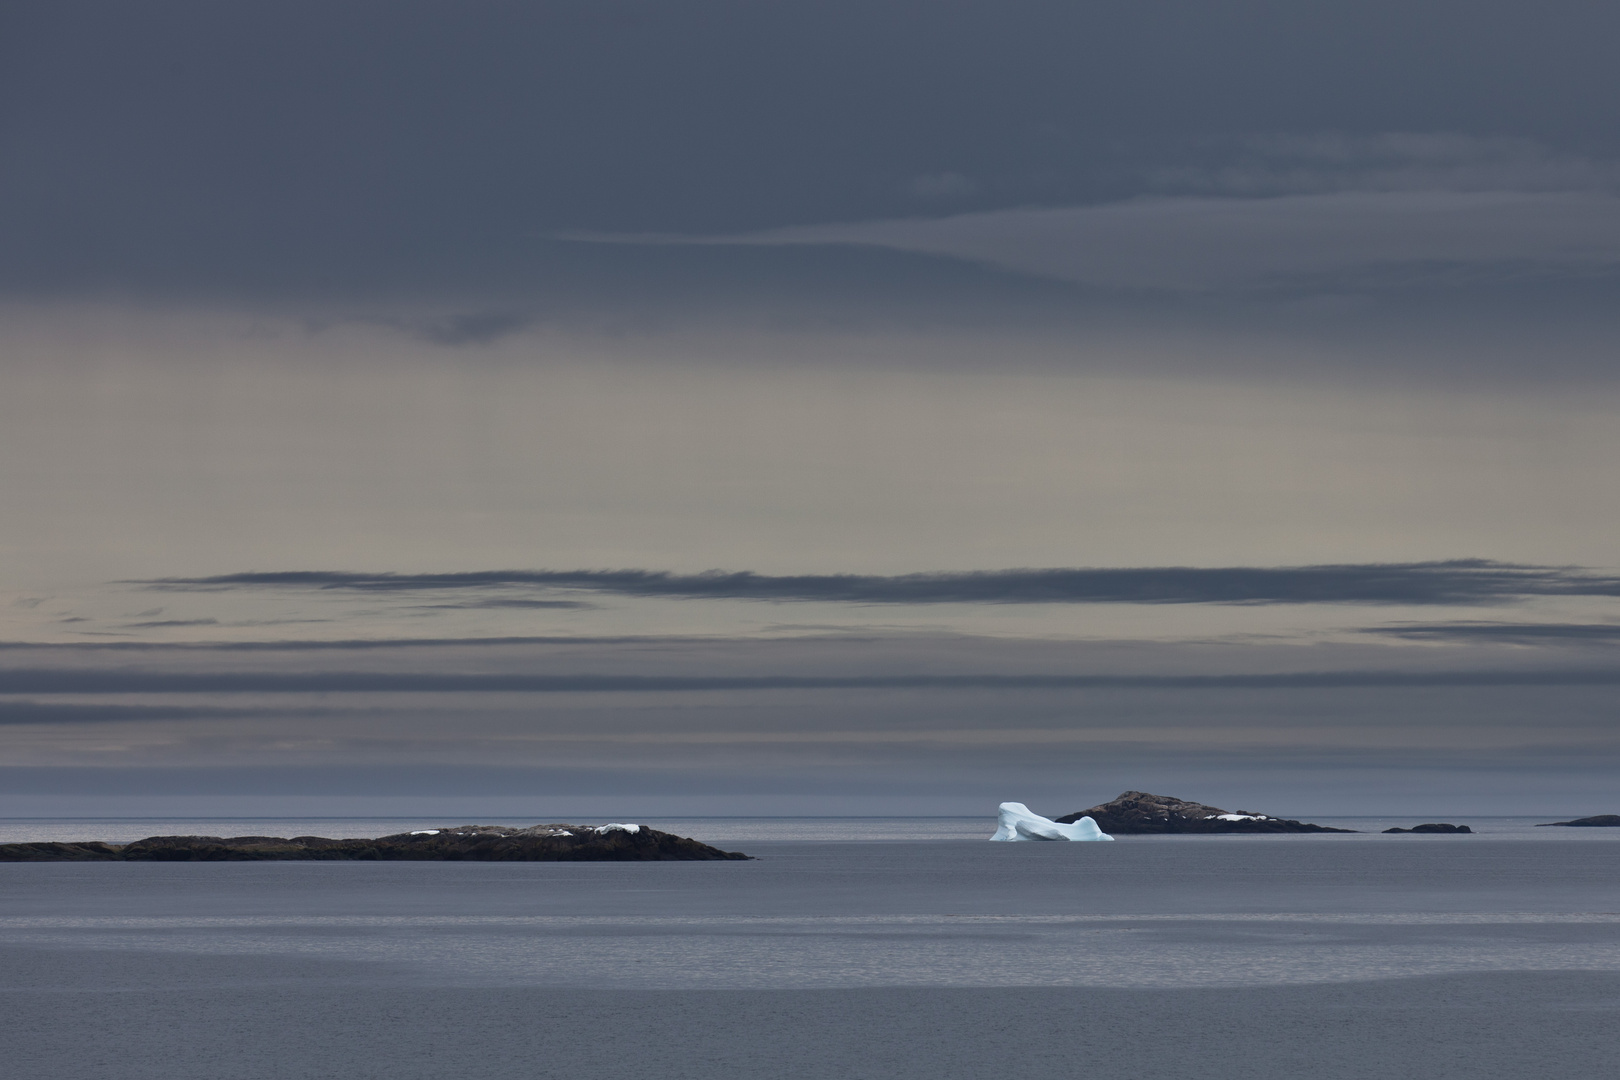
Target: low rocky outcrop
465,843
1601,821
81,851
1137,812
1434,827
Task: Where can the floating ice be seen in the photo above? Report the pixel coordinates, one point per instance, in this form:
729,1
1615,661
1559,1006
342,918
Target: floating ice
1017,822
613,826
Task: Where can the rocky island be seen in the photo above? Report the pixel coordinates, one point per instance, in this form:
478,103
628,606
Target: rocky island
1434,827
1601,821
1137,812
464,843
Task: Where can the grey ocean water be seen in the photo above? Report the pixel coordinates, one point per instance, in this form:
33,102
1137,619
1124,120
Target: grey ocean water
848,949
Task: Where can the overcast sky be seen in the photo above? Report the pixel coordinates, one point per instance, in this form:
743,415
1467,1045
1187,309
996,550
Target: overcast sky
838,408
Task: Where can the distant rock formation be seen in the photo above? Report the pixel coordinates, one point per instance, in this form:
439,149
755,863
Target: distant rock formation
466,843
1137,812
1601,821
1434,827
1015,821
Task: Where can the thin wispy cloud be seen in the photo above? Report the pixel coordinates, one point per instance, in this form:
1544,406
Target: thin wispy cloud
1539,633
1453,582
1335,161
467,328
519,603
1222,245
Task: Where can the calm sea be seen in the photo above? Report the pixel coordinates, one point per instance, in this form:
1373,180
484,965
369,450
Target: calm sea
849,948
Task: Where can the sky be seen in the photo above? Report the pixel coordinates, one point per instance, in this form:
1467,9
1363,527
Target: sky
637,408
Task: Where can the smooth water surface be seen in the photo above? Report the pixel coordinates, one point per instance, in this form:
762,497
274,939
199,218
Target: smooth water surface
1296,956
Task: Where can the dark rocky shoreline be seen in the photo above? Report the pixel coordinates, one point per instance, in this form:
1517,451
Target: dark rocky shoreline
1138,813
465,843
1600,821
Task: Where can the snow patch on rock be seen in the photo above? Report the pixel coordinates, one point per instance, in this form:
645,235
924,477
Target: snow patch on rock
616,826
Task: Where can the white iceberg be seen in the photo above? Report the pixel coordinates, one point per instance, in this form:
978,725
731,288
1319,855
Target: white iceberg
1017,822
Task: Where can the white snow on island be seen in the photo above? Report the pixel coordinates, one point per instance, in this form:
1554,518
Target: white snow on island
1017,822
615,826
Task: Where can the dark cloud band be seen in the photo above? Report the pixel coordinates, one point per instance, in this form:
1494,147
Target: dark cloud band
110,681
317,644
1458,581
35,712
